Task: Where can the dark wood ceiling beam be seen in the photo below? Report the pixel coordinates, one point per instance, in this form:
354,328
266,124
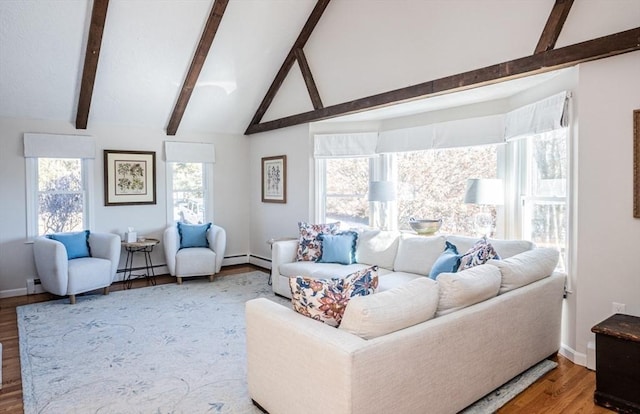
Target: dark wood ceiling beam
91,56
599,48
304,35
308,79
554,25
209,33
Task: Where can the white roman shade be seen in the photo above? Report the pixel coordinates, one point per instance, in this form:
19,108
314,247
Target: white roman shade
361,144
59,146
459,133
542,116
189,152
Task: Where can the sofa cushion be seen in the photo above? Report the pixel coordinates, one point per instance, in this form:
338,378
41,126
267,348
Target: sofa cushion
377,247
339,248
385,312
76,243
527,267
193,235
448,261
392,280
325,299
481,252
309,245
319,270
467,287
416,254
504,248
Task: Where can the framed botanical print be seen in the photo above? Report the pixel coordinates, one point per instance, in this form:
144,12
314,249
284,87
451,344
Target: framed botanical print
274,179
129,177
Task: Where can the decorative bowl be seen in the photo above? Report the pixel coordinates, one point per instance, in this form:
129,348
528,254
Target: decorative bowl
425,226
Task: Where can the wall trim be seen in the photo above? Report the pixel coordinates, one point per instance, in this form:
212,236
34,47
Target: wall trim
260,261
573,355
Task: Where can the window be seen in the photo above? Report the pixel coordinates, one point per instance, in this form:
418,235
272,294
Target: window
345,193
543,190
432,184
188,192
57,195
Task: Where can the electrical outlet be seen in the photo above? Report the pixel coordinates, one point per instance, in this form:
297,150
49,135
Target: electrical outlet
618,307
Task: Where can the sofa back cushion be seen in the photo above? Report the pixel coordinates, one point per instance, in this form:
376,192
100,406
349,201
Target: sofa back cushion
417,254
504,248
467,287
377,247
527,267
389,311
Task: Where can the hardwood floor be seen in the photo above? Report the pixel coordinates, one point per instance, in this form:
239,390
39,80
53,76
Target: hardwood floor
566,389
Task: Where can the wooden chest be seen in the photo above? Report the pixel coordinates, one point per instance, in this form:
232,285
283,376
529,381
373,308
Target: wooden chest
618,363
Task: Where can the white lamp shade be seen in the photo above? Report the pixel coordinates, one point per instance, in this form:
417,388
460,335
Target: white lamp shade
484,191
382,191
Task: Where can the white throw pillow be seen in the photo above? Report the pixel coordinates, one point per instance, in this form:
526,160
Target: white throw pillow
527,267
468,287
417,254
385,312
377,247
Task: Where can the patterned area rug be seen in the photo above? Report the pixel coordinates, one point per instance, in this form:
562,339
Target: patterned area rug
163,349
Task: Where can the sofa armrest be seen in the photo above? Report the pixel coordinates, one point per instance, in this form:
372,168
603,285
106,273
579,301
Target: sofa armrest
51,265
303,354
217,238
106,246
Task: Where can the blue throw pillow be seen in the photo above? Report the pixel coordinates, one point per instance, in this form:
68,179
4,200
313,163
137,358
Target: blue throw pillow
193,235
447,262
338,248
77,243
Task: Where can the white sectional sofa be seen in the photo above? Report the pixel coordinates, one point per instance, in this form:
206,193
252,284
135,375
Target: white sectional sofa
414,347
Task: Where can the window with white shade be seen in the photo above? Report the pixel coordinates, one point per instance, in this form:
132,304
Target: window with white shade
59,190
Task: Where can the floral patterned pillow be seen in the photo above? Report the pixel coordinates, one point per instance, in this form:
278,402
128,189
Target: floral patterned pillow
326,299
481,252
309,245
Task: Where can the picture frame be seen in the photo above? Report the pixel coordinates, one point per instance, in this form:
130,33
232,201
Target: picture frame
274,179
636,163
129,177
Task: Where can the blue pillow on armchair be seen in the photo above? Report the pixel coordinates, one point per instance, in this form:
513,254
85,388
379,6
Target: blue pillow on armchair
77,243
338,248
193,235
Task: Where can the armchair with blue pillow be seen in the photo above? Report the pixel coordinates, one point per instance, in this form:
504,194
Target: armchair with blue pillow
76,262
194,249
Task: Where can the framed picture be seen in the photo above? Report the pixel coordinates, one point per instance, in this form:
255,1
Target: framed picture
129,177
274,179
636,163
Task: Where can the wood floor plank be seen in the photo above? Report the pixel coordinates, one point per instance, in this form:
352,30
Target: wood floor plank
567,389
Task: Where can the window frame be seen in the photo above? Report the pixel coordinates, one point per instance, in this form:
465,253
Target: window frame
87,166
207,190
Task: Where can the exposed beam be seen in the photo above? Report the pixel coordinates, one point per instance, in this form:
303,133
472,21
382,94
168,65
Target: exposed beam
552,29
96,28
304,35
209,33
615,44
308,79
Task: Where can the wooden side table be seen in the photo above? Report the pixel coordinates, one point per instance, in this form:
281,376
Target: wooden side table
145,247
618,363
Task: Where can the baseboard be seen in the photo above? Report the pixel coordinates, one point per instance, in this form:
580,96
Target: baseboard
572,355
9,293
235,260
260,261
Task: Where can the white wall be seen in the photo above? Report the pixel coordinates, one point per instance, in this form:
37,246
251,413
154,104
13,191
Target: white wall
231,190
276,220
608,237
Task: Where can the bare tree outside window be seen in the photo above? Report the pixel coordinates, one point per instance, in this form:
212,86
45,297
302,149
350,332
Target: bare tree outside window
60,195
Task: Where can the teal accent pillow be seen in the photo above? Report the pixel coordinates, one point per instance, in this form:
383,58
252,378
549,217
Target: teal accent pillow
77,243
193,235
447,262
338,248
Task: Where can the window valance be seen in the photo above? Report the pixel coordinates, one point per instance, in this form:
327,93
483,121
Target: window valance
359,144
59,146
189,152
542,116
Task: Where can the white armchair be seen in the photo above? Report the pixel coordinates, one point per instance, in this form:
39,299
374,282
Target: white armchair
63,277
194,261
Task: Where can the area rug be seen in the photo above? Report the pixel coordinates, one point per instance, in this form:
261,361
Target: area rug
163,349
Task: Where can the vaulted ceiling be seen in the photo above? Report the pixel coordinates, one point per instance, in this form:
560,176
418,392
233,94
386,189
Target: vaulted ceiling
252,65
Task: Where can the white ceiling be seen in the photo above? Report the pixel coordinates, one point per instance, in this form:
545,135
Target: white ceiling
359,48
